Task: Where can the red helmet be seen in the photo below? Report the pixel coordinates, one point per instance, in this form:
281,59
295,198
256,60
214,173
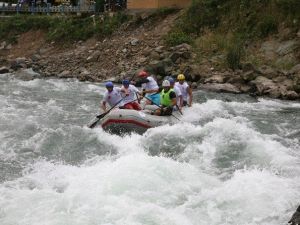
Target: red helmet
143,73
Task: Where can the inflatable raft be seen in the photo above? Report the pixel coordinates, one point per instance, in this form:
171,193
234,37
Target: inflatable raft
120,121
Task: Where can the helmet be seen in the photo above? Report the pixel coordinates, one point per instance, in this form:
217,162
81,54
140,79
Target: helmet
143,73
180,77
125,82
171,80
109,84
166,83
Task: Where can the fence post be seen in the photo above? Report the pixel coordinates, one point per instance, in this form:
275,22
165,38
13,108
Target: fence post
32,7
17,8
48,8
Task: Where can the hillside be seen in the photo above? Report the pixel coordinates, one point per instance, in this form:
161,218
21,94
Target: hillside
229,46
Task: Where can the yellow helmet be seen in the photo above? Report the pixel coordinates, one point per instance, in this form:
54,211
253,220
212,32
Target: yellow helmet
180,77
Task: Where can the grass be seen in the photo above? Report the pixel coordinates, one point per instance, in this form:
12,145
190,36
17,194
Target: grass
177,37
222,27
61,29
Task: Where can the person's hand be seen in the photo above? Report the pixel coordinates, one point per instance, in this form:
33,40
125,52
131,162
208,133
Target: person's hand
170,107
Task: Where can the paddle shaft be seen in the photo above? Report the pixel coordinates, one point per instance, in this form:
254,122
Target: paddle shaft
104,114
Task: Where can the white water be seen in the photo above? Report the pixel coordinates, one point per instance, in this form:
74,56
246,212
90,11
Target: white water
228,162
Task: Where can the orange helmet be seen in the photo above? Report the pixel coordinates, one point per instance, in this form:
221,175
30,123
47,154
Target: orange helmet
143,73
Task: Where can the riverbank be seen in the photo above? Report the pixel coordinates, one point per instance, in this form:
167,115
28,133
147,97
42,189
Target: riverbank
145,40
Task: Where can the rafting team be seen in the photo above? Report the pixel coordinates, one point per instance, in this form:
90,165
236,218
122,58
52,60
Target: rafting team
171,97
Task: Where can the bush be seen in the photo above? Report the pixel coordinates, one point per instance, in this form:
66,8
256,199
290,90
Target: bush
61,29
202,13
71,29
234,54
291,7
11,26
177,37
110,24
267,26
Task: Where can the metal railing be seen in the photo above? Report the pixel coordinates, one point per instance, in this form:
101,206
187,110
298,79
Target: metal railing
48,9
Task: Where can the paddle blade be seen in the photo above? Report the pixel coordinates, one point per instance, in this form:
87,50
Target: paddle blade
102,115
94,124
99,117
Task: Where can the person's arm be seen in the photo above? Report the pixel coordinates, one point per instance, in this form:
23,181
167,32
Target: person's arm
180,102
137,91
173,98
103,106
191,96
174,102
140,82
180,98
105,99
151,91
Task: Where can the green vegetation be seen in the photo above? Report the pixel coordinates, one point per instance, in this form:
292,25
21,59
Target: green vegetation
256,17
177,37
61,29
227,26
234,55
66,29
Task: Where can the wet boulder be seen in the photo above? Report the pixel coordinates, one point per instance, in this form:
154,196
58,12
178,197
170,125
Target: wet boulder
228,88
27,74
263,85
4,69
295,220
218,78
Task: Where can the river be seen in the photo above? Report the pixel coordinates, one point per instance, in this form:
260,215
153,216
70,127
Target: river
230,160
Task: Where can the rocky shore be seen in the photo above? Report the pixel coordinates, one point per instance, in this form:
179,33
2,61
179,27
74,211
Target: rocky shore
133,48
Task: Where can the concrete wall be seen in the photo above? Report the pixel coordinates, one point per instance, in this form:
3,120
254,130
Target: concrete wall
154,4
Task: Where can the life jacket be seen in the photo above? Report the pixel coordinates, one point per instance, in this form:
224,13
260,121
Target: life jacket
165,97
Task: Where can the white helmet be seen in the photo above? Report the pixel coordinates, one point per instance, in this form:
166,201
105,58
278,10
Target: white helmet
166,83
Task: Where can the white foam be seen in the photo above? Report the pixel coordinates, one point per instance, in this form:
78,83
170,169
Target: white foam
133,189
205,111
31,83
139,189
223,170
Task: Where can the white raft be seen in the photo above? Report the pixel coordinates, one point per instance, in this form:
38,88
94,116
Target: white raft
120,121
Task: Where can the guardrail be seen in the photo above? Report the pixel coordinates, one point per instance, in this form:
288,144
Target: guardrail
48,9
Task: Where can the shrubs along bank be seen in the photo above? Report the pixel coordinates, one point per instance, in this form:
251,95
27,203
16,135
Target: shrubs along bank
258,39
233,27
227,46
61,29
67,29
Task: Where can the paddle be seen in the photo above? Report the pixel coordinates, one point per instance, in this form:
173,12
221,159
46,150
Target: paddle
159,106
99,117
179,110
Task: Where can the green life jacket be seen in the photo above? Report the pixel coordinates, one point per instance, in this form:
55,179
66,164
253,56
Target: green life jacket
165,97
